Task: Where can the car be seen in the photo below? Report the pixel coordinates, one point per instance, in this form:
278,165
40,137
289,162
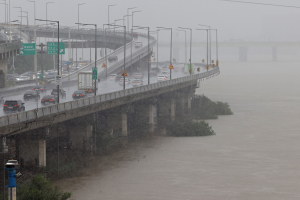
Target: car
138,75
161,78
62,93
12,106
166,74
65,73
48,99
31,94
21,78
165,68
51,75
31,75
78,94
121,81
118,77
138,44
112,58
112,77
39,88
137,82
154,71
135,35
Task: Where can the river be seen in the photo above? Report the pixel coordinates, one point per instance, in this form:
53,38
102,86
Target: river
254,154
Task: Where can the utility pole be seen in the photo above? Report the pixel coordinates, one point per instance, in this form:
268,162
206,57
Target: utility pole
42,64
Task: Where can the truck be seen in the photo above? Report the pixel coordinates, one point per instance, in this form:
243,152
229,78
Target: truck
86,82
187,69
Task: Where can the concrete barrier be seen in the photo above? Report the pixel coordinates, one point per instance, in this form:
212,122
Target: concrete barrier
13,119
22,116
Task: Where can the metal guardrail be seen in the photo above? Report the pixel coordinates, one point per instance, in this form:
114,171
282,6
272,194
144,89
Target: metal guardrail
62,107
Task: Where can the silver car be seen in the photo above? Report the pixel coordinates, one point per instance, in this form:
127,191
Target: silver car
161,78
22,78
127,81
137,82
166,74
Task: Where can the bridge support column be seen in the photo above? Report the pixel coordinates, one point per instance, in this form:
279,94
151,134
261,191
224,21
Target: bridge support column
152,116
189,102
243,54
42,153
173,107
3,72
274,54
124,123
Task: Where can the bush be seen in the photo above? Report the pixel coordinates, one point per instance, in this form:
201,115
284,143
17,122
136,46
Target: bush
189,128
39,188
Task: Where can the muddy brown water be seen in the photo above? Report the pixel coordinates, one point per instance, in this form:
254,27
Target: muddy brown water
255,154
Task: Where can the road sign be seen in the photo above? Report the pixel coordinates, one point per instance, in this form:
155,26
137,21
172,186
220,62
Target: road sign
212,61
104,65
41,76
68,63
124,73
214,65
27,49
217,63
171,67
52,48
58,80
207,67
191,71
198,69
94,73
203,60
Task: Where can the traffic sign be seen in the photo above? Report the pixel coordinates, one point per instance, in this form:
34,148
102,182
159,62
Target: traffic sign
171,67
207,67
191,71
58,80
214,65
52,48
27,49
104,65
198,69
212,61
68,63
94,73
124,73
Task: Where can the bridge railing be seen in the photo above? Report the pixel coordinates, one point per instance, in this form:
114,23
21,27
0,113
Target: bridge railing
32,115
9,46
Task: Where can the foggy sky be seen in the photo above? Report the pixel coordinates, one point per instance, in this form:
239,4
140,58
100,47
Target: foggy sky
233,20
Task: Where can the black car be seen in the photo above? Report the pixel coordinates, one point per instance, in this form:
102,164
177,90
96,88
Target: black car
62,93
31,94
112,58
13,106
48,99
78,94
135,35
39,88
154,71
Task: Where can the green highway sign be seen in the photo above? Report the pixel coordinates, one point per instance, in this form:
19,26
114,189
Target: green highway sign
52,48
95,73
27,49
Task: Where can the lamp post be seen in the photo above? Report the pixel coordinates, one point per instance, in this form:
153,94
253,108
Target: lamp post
47,10
141,27
206,45
124,48
57,51
4,10
217,48
35,56
21,14
132,17
128,18
157,31
184,44
190,48
80,4
26,16
115,30
209,41
82,47
108,10
164,28
6,13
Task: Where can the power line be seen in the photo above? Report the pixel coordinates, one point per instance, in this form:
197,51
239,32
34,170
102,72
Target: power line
265,4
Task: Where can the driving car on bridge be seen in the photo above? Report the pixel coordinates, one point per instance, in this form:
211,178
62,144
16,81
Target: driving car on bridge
137,82
39,88
31,94
138,75
78,94
62,93
161,78
12,106
121,81
138,44
48,99
166,74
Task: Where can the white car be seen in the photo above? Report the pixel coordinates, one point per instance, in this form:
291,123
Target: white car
22,78
166,74
127,81
161,78
138,44
112,77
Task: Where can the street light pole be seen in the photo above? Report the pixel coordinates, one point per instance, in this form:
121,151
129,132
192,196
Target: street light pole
21,14
156,47
141,27
209,40
190,47
35,56
6,17
217,49
115,30
170,47
184,44
128,17
26,16
132,17
78,33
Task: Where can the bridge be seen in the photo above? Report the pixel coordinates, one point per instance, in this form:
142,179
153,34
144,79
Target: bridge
78,124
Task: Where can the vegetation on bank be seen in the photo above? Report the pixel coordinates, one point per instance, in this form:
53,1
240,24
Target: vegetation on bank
204,108
39,188
189,128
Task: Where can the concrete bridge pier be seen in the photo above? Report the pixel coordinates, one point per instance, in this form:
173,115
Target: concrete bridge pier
274,54
3,72
173,108
124,123
243,54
